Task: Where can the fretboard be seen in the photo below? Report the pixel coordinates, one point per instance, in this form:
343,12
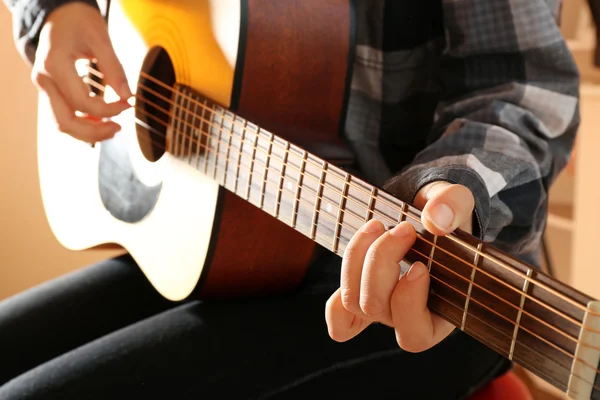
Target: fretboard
516,310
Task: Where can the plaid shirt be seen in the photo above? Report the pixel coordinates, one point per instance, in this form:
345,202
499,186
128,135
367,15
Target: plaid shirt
482,93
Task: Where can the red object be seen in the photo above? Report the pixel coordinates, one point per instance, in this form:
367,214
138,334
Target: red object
508,386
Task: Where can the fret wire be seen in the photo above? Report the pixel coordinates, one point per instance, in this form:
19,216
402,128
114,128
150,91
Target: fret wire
507,319
252,164
193,132
228,153
265,175
281,178
340,213
424,256
370,208
318,197
181,138
218,143
491,258
471,282
209,127
517,272
170,127
298,188
402,216
176,123
239,161
433,247
519,313
525,363
198,132
204,122
178,131
189,138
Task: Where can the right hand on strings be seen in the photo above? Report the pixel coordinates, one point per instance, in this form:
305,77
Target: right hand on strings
72,32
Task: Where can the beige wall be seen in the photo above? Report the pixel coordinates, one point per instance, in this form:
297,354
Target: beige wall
29,252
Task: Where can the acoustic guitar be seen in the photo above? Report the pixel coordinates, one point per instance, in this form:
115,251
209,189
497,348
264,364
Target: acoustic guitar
234,143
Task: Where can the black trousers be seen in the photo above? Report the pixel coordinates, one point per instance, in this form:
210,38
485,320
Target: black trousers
102,332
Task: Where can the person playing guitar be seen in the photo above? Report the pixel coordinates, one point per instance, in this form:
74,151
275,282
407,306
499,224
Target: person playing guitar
468,110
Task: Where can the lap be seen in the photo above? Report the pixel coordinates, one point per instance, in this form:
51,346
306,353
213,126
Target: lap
102,332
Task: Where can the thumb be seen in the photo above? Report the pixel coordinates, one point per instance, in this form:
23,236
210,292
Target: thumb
111,68
446,207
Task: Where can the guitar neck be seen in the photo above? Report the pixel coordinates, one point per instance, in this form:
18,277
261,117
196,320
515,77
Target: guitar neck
513,308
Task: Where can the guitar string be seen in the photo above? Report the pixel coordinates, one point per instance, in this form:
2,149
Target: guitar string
384,216
314,178
218,164
523,362
466,295
391,205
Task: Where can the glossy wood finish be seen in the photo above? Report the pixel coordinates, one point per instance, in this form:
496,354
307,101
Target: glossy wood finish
296,72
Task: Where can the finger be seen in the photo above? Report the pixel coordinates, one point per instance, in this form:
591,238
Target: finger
417,329
382,271
445,207
111,67
76,92
342,325
85,129
353,261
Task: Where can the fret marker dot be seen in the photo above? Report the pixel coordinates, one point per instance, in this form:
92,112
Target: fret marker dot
328,207
289,185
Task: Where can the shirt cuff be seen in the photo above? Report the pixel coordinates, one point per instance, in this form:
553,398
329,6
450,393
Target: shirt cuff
29,18
407,184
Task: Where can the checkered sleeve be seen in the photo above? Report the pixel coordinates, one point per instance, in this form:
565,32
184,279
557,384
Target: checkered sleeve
28,17
507,120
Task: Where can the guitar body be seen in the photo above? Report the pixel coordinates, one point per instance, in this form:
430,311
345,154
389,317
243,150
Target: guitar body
265,60
210,203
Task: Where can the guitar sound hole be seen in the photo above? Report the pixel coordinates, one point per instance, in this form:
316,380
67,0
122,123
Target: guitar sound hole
154,103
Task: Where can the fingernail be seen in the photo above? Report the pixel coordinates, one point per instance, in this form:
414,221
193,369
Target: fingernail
401,230
441,215
373,226
417,270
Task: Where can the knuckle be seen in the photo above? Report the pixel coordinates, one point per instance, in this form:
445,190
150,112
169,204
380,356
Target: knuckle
350,300
371,306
